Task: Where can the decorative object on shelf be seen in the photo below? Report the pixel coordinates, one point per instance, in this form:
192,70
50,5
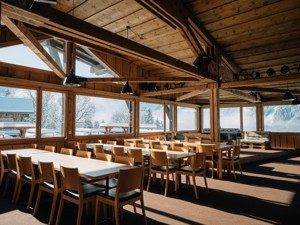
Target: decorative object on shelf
270,72
127,89
284,69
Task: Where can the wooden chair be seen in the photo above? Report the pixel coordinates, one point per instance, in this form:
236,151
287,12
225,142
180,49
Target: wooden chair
127,143
161,147
138,141
153,143
98,149
125,193
82,146
83,154
159,164
13,174
176,145
208,149
111,142
124,160
48,183
50,148
232,159
3,169
117,150
28,176
103,156
74,192
197,168
143,145
139,159
33,145
72,145
66,151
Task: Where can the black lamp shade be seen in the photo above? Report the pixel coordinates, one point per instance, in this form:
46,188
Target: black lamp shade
127,90
71,80
288,96
270,72
296,101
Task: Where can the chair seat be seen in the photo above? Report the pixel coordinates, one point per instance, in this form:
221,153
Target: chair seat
50,185
146,163
234,158
112,183
190,169
111,193
87,189
172,167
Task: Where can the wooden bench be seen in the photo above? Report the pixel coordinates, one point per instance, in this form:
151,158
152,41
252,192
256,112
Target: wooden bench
254,139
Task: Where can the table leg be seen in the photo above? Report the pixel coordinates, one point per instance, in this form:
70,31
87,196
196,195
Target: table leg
220,171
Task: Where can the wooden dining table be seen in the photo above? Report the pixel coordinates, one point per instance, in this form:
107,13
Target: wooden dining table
89,168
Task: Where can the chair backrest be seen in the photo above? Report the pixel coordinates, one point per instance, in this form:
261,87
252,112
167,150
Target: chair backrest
47,173
81,146
138,141
70,180
198,160
111,142
129,180
176,144
143,145
153,143
124,160
72,145
104,157
162,147
33,145
158,158
12,163
83,154
181,149
100,141
137,154
117,150
236,151
50,148
26,166
66,151
127,143
98,149
208,149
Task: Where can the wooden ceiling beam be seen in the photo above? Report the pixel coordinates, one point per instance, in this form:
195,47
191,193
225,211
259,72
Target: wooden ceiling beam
68,25
173,91
143,80
270,90
190,95
22,32
284,79
242,95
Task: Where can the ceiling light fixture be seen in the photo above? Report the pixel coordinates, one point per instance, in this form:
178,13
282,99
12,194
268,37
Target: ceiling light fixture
296,101
127,90
270,72
284,69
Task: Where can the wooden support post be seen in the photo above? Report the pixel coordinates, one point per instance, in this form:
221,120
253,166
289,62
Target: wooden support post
214,113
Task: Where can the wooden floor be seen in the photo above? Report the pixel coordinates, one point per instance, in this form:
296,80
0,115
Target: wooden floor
268,192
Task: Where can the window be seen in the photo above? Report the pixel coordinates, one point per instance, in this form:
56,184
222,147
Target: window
282,118
151,117
52,114
169,117
186,118
95,115
230,117
249,118
205,119
17,113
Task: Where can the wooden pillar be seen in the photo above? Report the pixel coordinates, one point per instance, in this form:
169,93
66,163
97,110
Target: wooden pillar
70,116
259,117
214,112
136,121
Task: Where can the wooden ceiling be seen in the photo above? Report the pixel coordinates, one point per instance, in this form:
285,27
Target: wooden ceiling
165,38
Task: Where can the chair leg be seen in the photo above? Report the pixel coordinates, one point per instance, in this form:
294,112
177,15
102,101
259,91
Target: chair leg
143,210
55,196
61,205
161,180
96,212
240,167
18,192
167,184
212,170
149,180
233,169
195,187
79,214
205,182
176,182
116,210
30,196
37,203
6,186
